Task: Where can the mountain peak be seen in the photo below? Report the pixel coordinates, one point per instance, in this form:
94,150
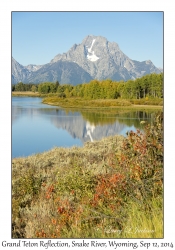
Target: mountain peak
96,57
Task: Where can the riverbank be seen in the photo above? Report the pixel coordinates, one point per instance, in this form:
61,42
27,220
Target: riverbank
91,192
77,102
27,93
101,103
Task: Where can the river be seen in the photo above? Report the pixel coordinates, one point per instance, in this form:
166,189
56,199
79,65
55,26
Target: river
38,127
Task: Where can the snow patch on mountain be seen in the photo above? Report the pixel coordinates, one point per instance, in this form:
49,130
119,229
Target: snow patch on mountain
91,55
93,41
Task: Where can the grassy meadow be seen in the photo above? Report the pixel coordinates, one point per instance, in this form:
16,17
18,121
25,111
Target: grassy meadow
100,103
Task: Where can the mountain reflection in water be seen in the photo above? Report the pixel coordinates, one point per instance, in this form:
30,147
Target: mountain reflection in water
34,124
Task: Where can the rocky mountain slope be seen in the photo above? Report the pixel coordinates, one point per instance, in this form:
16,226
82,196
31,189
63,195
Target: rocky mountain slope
94,58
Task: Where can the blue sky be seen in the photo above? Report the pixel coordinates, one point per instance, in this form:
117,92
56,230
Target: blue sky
39,36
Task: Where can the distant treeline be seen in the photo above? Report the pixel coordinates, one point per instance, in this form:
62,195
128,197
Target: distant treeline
147,86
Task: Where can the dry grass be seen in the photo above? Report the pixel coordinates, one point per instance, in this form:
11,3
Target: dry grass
82,103
32,175
26,93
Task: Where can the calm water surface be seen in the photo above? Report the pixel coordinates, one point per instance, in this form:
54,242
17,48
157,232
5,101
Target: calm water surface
38,127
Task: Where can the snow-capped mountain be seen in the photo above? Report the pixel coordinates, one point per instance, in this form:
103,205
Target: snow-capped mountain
94,58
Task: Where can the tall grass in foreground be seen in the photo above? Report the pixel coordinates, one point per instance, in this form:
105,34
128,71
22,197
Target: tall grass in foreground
108,189
144,224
